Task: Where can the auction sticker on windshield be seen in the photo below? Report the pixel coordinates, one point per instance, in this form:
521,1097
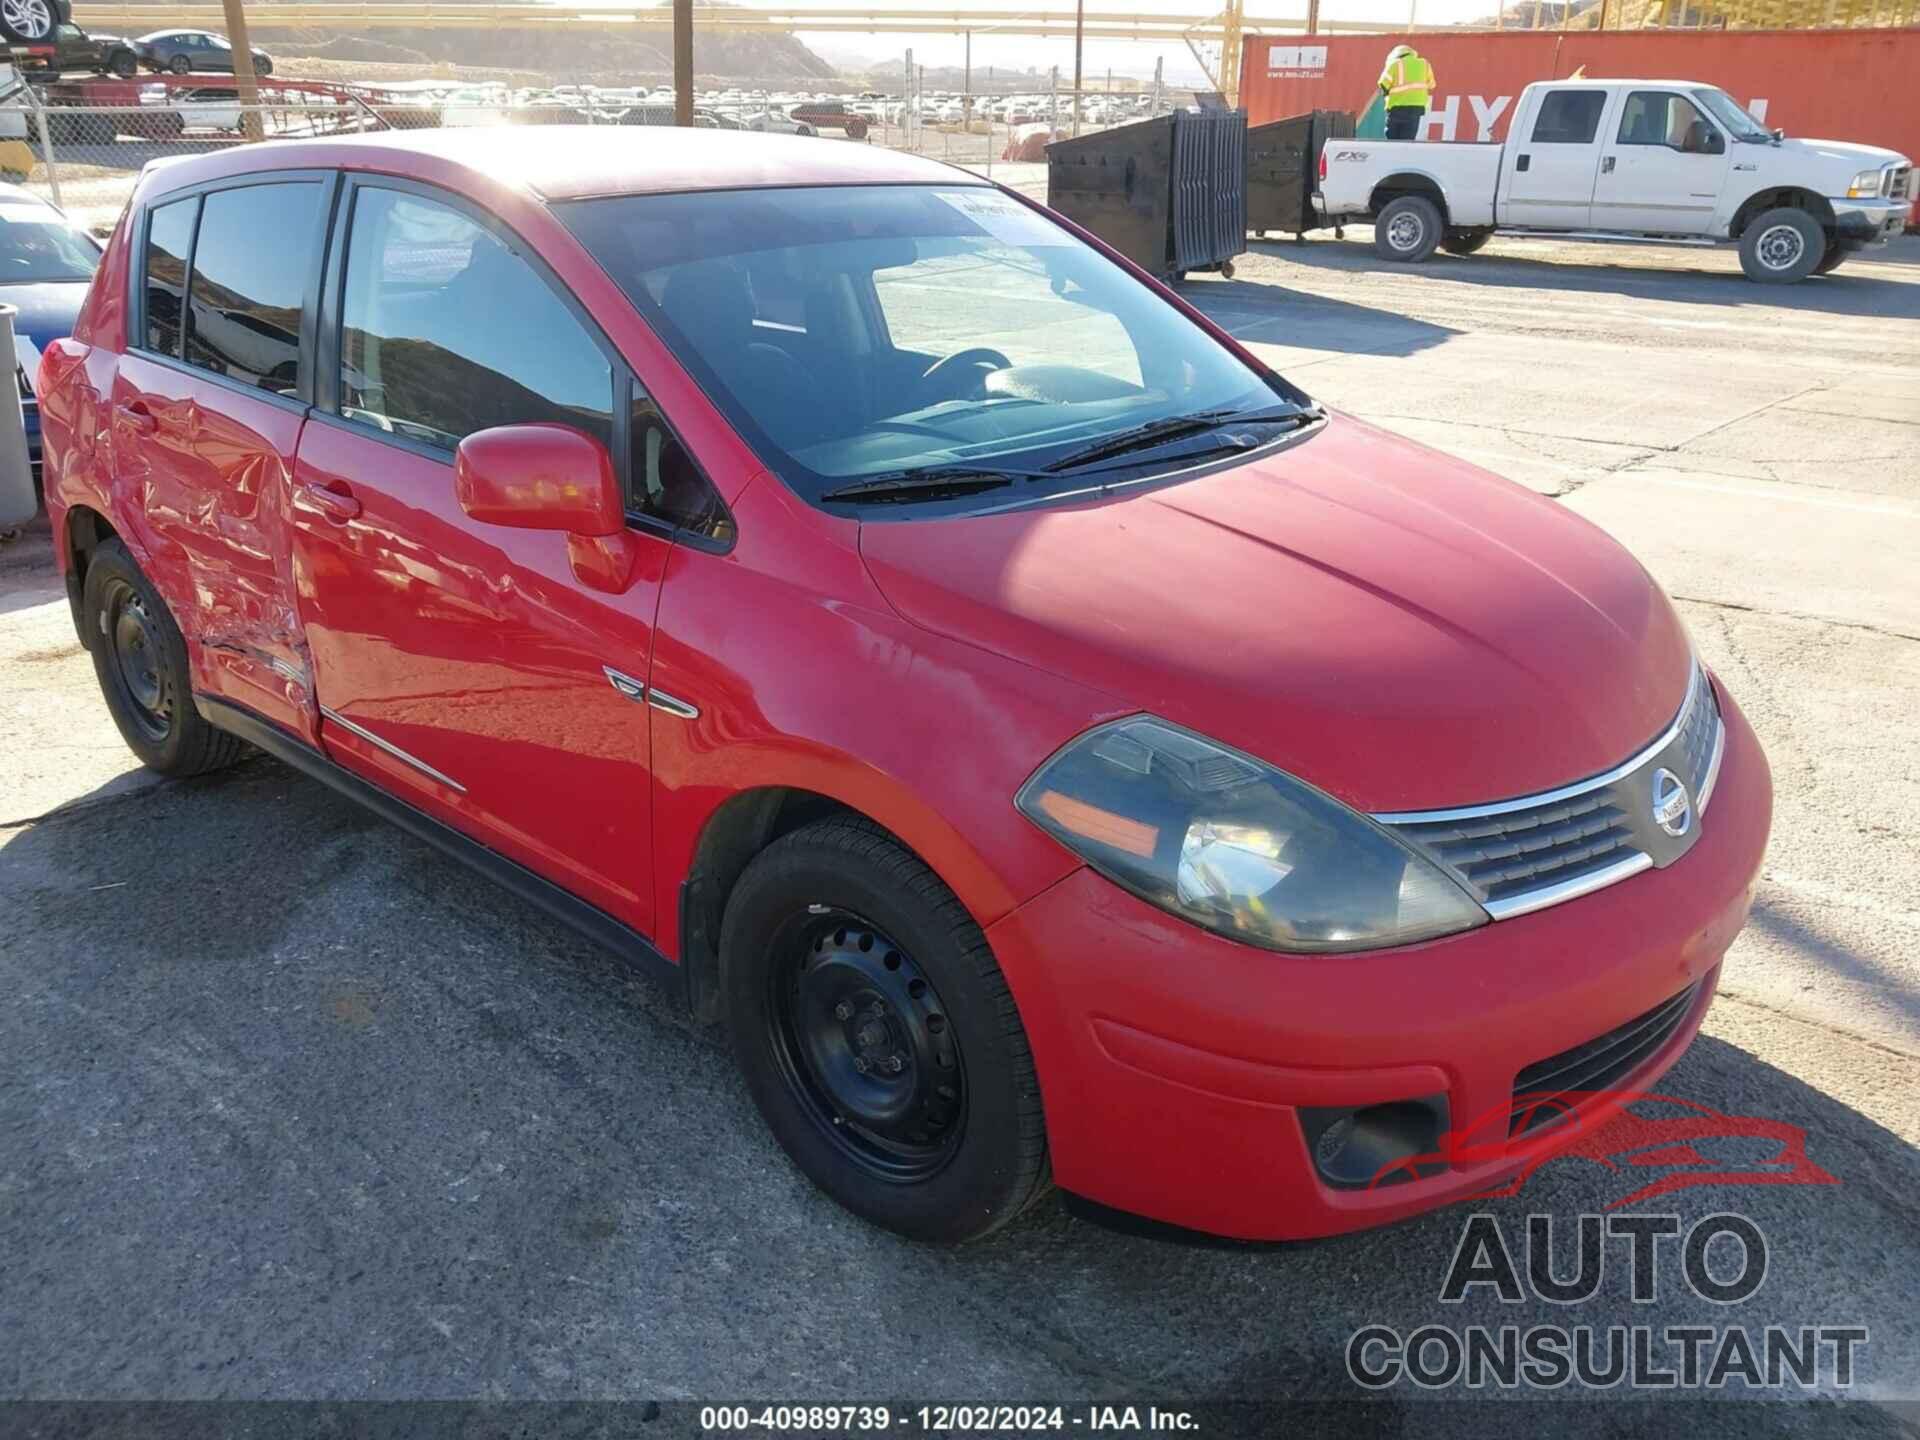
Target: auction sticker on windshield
1002,217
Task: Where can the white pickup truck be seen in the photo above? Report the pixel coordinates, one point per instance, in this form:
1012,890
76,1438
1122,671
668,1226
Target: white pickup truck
1665,160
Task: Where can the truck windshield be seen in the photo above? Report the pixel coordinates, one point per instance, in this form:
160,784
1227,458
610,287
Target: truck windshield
851,333
1727,111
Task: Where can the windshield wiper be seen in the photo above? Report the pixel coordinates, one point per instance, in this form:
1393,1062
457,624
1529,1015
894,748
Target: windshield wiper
1173,427
923,484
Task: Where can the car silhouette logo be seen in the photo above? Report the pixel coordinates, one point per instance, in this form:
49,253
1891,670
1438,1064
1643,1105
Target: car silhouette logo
1672,810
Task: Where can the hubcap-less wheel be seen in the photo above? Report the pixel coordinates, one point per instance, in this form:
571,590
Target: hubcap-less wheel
864,1044
136,660
1780,247
29,19
1405,231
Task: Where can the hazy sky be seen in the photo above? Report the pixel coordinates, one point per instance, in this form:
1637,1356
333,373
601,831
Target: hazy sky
1126,57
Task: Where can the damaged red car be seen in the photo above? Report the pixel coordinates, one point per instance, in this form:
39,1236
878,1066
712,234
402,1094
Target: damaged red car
1058,751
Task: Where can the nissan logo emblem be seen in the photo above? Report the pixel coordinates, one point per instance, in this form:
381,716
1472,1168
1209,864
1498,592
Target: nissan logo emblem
1672,810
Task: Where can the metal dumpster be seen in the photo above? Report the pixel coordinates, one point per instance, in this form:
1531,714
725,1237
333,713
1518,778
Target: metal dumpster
1283,166
1168,193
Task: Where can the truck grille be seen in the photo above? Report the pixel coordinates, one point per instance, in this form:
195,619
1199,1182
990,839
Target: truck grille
1520,855
1599,1064
1897,183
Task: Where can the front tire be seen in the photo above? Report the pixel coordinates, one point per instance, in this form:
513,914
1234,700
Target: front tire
1407,230
140,659
878,1037
1782,246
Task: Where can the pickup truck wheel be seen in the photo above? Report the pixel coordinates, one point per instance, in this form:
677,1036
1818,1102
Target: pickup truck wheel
878,1037
124,64
1464,242
1408,229
140,660
1782,246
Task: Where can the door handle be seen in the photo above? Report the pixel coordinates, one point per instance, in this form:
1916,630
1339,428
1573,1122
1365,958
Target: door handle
1522,162
338,505
136,414
1606,166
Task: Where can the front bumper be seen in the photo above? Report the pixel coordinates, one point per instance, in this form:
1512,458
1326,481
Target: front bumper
1870,221
1173,1062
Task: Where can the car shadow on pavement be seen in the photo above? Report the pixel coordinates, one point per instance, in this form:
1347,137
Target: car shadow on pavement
1854,290
298,1106
1270,314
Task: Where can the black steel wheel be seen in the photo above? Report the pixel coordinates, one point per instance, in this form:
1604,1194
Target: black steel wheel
864,1045
141,683
140,660
878,1037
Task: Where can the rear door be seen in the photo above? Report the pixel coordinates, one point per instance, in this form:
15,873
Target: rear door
459,665
206,412
1550,169
1664,169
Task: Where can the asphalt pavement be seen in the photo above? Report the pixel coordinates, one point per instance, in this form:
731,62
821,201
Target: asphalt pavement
296,1108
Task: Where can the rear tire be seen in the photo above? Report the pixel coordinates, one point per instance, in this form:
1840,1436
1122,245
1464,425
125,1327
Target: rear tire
1782,246
140,660
179,64
1464,242
878,1037
124,64
1408,229
856,129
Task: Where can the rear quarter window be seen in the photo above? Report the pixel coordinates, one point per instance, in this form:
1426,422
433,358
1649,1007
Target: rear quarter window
169,238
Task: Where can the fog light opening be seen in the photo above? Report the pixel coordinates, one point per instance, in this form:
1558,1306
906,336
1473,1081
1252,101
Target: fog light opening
1357,1146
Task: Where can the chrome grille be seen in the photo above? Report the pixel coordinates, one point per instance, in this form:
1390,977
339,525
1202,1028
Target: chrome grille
1521,855
1897,182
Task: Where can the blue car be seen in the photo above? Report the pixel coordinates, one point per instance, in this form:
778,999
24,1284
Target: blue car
46,264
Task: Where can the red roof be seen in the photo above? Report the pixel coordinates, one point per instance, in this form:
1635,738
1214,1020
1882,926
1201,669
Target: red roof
570,162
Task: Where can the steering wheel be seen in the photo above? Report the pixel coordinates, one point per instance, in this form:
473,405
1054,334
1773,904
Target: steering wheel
943,370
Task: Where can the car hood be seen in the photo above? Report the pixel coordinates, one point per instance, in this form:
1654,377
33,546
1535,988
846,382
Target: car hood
1860,157
47,308
1395,626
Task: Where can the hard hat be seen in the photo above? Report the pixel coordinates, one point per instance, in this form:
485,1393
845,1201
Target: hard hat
1398,52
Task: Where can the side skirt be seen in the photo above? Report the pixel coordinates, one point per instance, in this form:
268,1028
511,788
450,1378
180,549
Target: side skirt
590,920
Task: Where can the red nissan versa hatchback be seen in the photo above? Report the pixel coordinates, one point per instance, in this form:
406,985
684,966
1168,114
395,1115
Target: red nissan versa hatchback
1057,749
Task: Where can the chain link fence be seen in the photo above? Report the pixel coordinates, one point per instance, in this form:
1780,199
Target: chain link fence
86,158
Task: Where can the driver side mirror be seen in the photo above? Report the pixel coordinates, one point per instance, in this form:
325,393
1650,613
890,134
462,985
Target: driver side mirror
550,477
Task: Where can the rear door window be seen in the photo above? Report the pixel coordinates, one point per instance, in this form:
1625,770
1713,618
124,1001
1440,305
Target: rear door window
169,239
446,331
1569,117
245,301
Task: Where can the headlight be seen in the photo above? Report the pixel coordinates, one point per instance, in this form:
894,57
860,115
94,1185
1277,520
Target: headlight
1865,184
1227,841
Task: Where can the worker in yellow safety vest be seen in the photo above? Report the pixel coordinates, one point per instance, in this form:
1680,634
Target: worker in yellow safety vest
1407,82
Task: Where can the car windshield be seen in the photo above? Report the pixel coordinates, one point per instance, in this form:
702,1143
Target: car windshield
853,332
1724,108
38,243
